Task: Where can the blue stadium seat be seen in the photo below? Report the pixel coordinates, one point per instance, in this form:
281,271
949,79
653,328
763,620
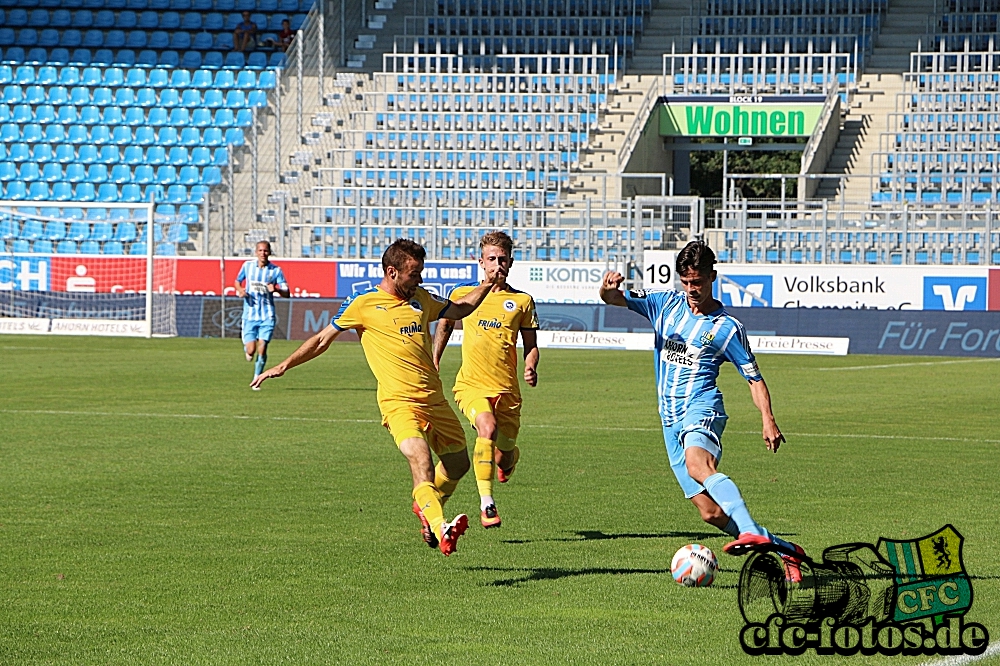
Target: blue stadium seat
131,193
212,137
190,136
201,156
27,37
166,136
178,155
213,99
83,18
158,78
42,247
191,22
121,174
80,57
22,113
211,22
201,118
58,96
46,76
36,56
159,40
224,79
189,175
225,5
90,115
102,231
124,97
76,173
137,249
107,193
220,157
24,75
16,191
137,40
211,176
7,171
97,173
65,153
143,175
48,38
235,99
126,20
147,58
100,135
157,117
188,213
84,192
176,194
149,20
191,60
35,95
125,232
112,116
277,60
114,39
39,191
191,98
52,172
197,194
212,60
54,230
133,155
29,172
177,233
165,249
31,229
90,247
257,60
144,136
169,59
224,118
156,155
79,231
135,78
40,152
31,133
170,21
93,38
66,247
19,152
166,175
13,94
137,5
58,56
234,60
113,248
71,39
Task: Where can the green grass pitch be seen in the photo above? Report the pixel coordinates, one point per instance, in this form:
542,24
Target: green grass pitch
156,511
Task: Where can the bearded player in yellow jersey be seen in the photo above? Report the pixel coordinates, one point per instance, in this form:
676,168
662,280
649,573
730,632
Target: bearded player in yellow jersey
393,320
487,388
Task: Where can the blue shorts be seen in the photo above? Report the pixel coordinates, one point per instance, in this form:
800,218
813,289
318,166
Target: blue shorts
257,330
710,424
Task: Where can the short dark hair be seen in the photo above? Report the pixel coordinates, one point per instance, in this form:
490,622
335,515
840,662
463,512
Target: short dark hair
265,242
695,255
402,249
497,239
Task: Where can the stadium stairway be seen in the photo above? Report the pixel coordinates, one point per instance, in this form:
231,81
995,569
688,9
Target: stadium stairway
867,118
666,23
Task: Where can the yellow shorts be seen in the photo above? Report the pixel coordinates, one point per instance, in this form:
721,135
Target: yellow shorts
505,407
437,424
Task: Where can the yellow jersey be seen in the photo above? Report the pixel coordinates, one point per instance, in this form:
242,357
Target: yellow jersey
396,341
489,342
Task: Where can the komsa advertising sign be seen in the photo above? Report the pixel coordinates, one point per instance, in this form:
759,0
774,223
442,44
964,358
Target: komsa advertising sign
560,281
958,289
740,115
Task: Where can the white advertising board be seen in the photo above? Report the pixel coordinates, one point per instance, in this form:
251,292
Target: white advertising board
658,269
108,327
761,344
23,325
560,281
960,288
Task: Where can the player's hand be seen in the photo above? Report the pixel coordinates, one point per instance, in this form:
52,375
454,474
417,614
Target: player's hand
276,371
241,292
612,280
531,377
270,288
772,437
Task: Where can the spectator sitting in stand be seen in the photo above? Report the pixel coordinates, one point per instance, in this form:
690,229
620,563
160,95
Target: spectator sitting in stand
245,34
284,37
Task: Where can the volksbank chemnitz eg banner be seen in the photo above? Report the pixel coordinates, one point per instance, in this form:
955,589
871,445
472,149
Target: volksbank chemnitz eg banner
958,289
740,115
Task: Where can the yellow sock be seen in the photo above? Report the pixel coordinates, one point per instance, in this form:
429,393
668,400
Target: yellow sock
444,485
428,498
482,459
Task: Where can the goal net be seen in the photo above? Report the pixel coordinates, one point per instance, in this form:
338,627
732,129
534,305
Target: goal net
85,269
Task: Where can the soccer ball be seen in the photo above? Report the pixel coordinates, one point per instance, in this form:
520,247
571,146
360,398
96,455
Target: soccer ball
694,566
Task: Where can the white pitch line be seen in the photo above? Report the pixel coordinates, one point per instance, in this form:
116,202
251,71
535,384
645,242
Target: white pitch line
958,660
906,365
240,417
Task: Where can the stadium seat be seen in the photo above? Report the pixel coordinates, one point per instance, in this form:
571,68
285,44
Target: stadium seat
236,100
201,156
158,78
102,231
143,175
224,118
42,247
147,58
179,117
144,136
90,247
131,193
85,192
54,230
114,248
79,231
212,60
157,117
178,155
159,40
66,247
137,249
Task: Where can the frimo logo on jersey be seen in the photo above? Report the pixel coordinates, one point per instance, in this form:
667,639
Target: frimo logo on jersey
899,597
954,293
744,291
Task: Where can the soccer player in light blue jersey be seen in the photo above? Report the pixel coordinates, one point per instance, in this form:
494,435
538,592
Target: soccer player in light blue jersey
263,280
694,337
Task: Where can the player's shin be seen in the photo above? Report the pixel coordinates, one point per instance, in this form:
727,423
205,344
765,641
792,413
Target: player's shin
258,367
485,466
725,493
445,485
428,499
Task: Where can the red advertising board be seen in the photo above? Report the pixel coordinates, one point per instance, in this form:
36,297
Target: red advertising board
993,298
307,278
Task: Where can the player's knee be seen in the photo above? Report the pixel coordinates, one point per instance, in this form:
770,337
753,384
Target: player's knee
486,426
711,514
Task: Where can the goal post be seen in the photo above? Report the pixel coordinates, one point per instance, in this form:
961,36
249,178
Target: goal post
74,268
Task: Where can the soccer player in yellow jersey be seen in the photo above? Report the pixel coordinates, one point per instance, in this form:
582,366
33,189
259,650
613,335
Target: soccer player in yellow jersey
393,320
487,388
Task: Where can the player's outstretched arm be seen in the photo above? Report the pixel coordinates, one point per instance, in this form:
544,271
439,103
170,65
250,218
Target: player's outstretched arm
762,398
463,307
309,350
529,337
610,293
441,337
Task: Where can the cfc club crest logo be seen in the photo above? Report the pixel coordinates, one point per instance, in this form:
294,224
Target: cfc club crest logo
899,597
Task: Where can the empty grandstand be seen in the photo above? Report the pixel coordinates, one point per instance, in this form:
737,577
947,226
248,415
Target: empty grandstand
439,119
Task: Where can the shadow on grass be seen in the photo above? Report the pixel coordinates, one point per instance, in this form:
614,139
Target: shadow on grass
530,575
597,535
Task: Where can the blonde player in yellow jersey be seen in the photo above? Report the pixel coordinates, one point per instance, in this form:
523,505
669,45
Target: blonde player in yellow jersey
393,320
487,388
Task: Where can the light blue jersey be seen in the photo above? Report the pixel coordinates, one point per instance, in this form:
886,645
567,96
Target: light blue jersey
690,349
258,304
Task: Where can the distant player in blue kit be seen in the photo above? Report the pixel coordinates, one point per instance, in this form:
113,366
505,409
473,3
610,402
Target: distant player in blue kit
694,337
263,280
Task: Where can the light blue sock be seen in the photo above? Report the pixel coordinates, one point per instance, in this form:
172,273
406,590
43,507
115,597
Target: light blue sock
258,367
725,493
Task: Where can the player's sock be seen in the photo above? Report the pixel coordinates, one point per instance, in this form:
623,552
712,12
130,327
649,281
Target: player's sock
428,498
444,485
258,367
485,501
482,459
731,528
722,489
781,542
